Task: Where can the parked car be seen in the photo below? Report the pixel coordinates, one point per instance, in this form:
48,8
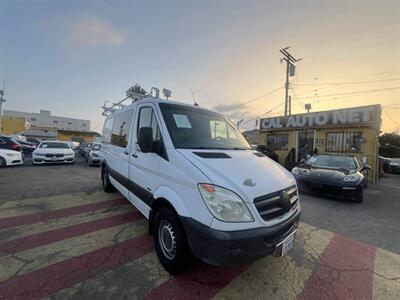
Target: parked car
9,144
86,150
36,142
205,192
26,147
53,152
81,148
10,158
267,152
94,157
333,175
394,165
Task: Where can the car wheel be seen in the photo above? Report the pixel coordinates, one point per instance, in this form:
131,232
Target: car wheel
170,242
105,179
3,163
360,196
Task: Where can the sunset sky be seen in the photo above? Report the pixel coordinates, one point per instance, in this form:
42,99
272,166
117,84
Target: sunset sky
71,56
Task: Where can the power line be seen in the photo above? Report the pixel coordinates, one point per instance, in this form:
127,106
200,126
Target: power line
262,96
394,121
352,93
347,82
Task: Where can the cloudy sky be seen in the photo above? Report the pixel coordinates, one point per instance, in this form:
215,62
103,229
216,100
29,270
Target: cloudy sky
71,56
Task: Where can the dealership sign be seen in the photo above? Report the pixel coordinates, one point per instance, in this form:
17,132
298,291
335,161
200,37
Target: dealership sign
349,116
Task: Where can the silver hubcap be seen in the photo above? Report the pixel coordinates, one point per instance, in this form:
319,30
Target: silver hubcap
166,236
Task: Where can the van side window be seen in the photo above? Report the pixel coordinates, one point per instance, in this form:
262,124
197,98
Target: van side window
107,130
121,128
147,118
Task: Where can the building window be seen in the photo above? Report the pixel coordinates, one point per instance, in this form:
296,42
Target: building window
84,125
278,141
33,119
349,142
121,128
69,123
55,122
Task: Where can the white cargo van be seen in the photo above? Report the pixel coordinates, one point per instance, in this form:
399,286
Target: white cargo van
205,192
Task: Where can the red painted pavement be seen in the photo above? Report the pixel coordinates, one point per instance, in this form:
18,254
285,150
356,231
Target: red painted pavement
48,280
344,271
51,236
58,213
203,282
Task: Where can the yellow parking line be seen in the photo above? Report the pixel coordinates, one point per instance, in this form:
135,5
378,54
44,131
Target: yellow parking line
284,277
37,205
130,281
37,258
25,230
386,275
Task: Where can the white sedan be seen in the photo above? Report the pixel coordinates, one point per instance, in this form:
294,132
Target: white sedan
10,158
53,152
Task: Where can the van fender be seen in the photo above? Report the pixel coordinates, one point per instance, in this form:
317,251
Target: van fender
165,193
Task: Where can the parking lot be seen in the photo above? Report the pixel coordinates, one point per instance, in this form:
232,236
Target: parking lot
61,236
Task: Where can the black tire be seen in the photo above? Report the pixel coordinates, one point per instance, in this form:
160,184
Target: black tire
170,242
105,179
360,196
3,163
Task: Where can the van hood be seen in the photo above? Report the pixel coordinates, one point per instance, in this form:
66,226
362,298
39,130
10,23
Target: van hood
245,172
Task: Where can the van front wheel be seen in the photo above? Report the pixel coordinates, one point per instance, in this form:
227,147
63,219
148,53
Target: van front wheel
170,242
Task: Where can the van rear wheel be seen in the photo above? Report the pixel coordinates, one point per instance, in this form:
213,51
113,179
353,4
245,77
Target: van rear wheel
170,242
105,179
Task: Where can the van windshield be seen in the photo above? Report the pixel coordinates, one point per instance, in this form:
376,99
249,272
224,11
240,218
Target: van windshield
195,128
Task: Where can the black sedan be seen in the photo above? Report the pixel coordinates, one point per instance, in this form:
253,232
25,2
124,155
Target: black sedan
332,175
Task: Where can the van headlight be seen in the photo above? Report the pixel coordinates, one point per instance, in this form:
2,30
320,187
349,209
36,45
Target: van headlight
224,204
350,178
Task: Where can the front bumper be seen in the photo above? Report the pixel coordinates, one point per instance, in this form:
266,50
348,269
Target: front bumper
46,160
228,247
330,190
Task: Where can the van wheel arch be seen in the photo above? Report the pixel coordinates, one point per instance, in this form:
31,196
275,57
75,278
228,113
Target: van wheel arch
158,204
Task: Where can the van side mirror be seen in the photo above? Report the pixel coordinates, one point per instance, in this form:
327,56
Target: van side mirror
145,139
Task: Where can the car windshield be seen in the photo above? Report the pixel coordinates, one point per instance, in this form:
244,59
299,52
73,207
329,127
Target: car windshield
54,145
195,128
96,147
332,161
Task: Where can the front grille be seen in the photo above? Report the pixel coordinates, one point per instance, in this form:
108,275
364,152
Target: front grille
54,155
59,155
274,205
49,155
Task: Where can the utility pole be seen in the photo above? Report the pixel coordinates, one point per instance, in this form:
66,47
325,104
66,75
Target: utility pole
2,100
290,71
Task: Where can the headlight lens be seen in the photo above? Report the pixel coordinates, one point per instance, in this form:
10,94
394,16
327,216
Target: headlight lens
295,171
350,178
224,204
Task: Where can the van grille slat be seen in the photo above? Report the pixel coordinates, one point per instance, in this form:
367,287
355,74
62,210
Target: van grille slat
271,206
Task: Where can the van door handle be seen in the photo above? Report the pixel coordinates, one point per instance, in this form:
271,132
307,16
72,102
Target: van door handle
126,152
134,155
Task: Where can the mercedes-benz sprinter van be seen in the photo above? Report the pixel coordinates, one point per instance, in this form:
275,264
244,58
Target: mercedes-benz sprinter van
205,192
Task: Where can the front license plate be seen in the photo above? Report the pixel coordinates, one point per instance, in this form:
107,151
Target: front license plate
287,244
54,158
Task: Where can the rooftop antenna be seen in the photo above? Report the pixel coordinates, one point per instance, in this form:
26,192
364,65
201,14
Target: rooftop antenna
194,99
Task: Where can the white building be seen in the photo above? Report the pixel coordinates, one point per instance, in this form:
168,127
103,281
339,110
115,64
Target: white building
45,119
